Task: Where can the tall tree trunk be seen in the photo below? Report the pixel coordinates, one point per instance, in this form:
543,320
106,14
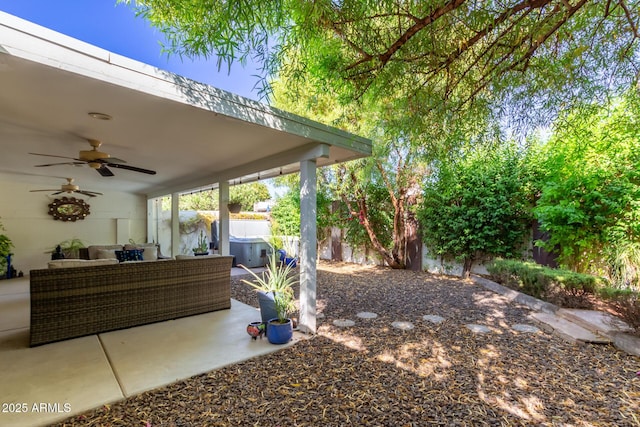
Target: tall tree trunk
466,269
397,256
389,257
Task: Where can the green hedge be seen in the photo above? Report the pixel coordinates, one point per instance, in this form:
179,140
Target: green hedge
537,280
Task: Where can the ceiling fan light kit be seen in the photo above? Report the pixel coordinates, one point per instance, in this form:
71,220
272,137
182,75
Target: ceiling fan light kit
70,187
97,160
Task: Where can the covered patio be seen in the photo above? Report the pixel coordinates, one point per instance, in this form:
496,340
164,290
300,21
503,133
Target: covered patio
57,92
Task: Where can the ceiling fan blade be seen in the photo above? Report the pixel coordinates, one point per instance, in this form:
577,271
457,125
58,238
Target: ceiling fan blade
54,155
58,192
89,193
131,168
35,191
108,160
104,171
57,164
114,160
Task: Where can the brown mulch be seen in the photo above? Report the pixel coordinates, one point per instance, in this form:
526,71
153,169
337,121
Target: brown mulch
374,374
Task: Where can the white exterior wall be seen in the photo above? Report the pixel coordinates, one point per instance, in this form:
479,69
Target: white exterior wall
114,218
430,264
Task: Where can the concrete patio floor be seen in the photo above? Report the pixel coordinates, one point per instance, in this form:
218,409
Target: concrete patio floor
45,384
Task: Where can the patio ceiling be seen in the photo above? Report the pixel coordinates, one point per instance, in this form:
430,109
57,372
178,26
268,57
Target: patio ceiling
192,134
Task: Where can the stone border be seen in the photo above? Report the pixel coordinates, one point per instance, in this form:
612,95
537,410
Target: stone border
627,343
513,295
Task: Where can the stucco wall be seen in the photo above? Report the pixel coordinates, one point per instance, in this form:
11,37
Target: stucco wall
115,217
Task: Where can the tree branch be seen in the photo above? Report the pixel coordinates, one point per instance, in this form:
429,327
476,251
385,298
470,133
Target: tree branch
413,30
629,18
485,80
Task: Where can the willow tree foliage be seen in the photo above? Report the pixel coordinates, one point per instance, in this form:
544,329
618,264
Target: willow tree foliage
590,203
536,55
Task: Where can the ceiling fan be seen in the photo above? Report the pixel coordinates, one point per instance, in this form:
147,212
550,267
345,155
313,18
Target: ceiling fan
70,187
98,160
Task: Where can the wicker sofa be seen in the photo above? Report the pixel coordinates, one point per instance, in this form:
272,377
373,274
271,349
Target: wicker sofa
77,301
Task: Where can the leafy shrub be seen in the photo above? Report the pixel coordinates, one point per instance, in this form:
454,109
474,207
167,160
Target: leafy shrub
566,288
478,206
591,186
540,281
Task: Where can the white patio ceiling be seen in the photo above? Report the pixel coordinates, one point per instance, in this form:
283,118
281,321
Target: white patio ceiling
192,134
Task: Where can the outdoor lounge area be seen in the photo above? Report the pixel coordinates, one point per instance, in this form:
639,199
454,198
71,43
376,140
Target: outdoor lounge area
100,111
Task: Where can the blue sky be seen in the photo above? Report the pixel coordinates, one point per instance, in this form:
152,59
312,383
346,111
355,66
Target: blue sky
117,29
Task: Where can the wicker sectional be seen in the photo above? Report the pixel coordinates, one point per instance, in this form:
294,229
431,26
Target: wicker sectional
77,301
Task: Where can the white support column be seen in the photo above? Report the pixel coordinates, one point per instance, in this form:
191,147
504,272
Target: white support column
308,246
152,221
223,212
175,224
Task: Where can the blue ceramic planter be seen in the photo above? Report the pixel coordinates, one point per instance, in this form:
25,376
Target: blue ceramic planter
292,262
279,333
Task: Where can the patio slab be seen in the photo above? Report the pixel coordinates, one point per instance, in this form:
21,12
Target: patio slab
51,382
158,354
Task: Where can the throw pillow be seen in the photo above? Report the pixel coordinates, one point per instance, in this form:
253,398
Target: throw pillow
130,255
150,250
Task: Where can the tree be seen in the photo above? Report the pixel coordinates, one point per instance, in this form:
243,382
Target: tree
249,194
423,77
246,194
444,55
479,205
285,214
199,201
378,192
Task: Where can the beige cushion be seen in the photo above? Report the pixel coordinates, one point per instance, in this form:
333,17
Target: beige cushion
106,254
93,249
150,250
68,263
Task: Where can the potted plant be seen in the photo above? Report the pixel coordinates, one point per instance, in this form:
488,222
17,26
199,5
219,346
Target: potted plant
69,248
275,295
290,244
234,206
203,246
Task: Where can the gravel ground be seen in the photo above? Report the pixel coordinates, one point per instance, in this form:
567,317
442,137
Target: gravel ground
374,374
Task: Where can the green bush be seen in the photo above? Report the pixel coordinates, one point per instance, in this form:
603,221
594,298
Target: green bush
540,281
479,205
566,288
